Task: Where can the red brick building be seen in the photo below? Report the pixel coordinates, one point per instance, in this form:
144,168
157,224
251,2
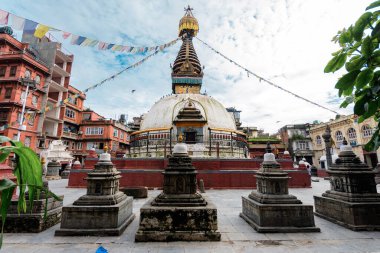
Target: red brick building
52,112
19,67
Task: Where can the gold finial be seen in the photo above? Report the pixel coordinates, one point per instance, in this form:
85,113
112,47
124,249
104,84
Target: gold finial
188,24
105,148
43,161
180,137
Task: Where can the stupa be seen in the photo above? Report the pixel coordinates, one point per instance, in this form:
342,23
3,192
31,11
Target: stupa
179,213
353,200
56,154
104,210
271,208
208,129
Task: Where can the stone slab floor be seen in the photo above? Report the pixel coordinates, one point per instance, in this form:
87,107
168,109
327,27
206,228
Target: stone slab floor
237,235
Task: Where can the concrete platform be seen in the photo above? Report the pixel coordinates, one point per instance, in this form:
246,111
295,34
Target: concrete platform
236,234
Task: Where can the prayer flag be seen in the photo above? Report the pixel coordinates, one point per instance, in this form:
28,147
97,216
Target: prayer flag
117,48
102,45
30,26
41,31
74,39
110,46
65,35
17,22
4,17
93,43
80,40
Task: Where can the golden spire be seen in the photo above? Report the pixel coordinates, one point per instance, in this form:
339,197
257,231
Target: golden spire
105,149
188,24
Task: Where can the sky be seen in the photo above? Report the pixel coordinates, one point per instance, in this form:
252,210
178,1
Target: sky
285,41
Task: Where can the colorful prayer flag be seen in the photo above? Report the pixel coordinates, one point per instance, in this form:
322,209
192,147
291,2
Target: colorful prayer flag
41,31
4,17
17,22
30,26
80,40
74,39
65,35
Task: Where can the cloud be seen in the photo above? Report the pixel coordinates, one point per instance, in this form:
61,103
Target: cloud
288,42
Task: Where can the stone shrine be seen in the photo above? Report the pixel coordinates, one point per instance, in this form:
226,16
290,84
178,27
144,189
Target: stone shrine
271,208
179,213
353,201
104,210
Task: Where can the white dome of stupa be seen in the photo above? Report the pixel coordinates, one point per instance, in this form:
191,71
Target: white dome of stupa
163,112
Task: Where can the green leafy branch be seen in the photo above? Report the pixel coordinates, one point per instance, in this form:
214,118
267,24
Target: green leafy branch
359,53
28,172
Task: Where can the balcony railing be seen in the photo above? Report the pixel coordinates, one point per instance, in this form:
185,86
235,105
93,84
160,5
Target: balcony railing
70,135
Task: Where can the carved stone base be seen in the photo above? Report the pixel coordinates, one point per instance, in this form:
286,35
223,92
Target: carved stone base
109,220
65,174
33,222
166,223
355,216
278,218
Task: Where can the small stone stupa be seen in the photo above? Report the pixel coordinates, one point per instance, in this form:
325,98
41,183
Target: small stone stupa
179,213
353,200
104,210
271,208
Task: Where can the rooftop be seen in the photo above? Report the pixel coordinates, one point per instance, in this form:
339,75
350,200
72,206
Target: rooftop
237,235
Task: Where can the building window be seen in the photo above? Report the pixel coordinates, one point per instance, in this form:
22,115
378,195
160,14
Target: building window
72,100
318,140
27,141
27,74
13,71
79,145
121,135
69,113
351,133
73,145
37,79
2,71
94,130
86,116
19,117
3,115
35,100
339,138
8,93
14,137
115,133
302,145
31,119
366,131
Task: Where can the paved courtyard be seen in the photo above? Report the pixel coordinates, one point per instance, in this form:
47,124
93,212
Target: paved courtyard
237,235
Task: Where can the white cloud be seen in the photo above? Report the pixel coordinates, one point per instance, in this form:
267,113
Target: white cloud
285,41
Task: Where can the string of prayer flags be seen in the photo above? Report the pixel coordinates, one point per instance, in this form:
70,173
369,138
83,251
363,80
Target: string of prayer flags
265,80
39,30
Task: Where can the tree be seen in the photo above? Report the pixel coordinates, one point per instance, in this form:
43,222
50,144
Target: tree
28,172
360,55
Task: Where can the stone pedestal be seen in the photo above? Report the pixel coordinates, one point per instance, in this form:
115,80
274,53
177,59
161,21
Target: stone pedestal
353,200
271,208
66,172
377,173
104,210
52,172
179,213
33,220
